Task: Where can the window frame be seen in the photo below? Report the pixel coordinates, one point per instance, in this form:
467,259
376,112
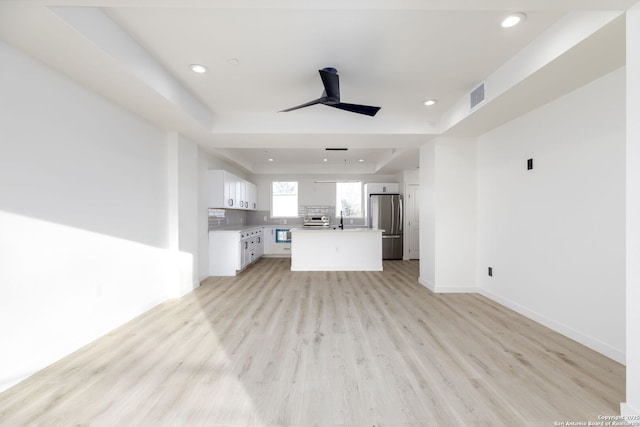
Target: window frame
339,205
297,196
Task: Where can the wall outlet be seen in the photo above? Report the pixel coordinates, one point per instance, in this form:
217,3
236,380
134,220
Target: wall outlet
285,221
490,271
265,219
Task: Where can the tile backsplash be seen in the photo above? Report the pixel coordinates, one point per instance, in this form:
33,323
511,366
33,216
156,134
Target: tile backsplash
314,210
224,218
264,218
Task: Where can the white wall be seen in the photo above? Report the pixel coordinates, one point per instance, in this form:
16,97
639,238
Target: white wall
555,235
310,192
448,211
632,404
83,216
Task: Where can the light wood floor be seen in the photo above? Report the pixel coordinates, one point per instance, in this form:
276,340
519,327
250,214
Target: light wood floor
272,347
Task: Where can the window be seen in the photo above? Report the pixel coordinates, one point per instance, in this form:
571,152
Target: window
284,199
349,199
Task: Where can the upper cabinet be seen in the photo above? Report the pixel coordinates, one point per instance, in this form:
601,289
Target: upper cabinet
381,188
252,196
227,191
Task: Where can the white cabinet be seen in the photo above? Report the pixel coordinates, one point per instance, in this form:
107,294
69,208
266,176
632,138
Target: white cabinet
227,191
220,189
259,243
225,256
230,185
246,250
241,193
378,188
381,188
231,251
269,240
252,196
251,246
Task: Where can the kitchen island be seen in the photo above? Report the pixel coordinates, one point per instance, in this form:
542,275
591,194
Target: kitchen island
329,249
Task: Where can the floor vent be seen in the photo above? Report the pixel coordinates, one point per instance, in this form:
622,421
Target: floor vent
477,95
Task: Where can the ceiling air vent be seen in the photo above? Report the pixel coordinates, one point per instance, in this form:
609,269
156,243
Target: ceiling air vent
477,95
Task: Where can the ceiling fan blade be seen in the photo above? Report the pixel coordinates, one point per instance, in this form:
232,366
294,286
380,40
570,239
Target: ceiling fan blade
331,83
355,108
331,95
314,102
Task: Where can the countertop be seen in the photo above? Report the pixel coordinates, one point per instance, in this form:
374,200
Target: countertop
241,228
336,229
236,229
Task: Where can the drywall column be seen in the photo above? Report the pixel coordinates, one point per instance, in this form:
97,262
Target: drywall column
427,215
448,215
183,213
632,405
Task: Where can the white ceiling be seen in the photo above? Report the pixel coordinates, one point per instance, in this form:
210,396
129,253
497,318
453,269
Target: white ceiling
393,54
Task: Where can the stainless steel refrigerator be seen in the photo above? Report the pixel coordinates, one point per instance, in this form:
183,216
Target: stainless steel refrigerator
385,212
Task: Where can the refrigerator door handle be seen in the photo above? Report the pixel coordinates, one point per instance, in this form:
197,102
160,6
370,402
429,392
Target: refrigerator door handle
400,215
391,237
393,219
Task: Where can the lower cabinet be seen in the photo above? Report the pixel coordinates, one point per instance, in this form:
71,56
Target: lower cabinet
251,246
231,251
273,246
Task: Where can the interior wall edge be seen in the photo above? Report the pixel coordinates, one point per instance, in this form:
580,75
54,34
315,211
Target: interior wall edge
427,284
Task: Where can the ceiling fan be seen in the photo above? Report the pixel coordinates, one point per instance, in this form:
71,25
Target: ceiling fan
331,95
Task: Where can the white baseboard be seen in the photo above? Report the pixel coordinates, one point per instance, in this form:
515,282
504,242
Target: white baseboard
457,289
592,343
315,267
427,284
448,289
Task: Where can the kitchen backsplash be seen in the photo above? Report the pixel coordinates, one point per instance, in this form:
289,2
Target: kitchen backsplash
317,211
264,218
225,218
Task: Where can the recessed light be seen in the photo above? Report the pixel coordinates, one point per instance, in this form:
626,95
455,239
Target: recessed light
361,160
271,160
430,102
325,160
197,68
513,19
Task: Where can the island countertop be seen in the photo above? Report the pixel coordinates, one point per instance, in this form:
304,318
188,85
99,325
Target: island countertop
329,249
